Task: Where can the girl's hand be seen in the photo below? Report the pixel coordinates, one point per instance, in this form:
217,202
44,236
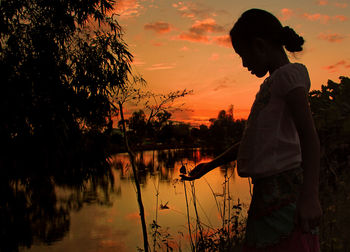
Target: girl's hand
197,172
308,212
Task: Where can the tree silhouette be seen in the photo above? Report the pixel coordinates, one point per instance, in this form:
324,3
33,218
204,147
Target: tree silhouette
62,62
331,111
223,130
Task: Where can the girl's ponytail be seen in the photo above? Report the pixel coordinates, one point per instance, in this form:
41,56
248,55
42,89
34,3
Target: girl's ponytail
291,40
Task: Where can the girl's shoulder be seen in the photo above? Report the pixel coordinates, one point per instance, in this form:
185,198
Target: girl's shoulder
290,69
288,77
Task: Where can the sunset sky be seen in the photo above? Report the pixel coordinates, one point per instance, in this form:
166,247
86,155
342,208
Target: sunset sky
185,44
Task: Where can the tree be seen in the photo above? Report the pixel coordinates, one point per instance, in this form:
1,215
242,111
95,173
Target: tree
137,125
224,130
62,63
330,107
156,107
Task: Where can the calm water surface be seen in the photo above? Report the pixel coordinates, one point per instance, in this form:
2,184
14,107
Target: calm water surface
107,219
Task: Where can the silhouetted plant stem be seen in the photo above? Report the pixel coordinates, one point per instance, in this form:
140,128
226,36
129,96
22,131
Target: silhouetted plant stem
138,188
216,201
196,211
156,226
229,208
188,218
224,207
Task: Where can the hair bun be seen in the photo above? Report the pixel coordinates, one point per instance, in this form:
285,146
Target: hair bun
291,40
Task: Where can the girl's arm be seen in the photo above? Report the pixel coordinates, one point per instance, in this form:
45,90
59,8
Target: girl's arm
309,209
203,168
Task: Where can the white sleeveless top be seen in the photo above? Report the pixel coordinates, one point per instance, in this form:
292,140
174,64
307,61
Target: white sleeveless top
270,143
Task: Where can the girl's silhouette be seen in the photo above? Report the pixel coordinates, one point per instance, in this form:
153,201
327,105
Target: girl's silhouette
279,149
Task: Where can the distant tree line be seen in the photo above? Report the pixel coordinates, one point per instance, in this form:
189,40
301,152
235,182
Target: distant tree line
163,131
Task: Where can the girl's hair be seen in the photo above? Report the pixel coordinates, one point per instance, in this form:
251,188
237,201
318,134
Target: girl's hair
259,23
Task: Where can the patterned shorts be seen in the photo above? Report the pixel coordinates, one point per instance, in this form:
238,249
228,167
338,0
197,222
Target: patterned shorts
272,209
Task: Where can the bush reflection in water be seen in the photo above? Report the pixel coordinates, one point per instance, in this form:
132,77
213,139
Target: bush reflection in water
36,199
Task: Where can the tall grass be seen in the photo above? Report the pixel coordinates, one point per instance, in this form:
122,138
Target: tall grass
229,236
200,236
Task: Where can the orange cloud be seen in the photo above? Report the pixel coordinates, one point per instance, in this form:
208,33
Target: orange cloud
322,2
205,26
224,41
157,44
161,66
334,37
127,8
317,17
193,37
341,5
324,18
158,27
198,33
193,10
340,18
286,14
335,67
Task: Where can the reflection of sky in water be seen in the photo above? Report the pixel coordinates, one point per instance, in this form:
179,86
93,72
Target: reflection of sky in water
97,228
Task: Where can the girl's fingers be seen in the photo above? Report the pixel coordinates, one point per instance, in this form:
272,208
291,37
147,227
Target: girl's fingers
184,177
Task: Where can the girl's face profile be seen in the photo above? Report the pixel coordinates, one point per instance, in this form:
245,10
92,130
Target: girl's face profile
253,59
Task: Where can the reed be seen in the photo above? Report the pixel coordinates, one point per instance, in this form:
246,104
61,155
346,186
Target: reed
231,233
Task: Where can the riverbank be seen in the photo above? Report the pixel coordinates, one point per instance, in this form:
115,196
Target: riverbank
115,149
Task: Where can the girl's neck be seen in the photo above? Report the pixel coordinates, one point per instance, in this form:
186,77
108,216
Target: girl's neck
278,58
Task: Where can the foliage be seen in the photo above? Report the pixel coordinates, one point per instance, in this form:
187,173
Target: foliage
153,122
223,130
331,111
62,63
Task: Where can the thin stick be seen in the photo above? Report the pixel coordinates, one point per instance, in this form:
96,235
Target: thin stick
217,204
188,218
224,207
196,211
138,188
229,209
155,233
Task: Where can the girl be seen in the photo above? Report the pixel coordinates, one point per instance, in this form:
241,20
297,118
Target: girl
279,149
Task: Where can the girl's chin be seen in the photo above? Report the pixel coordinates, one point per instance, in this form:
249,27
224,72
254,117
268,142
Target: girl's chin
259,74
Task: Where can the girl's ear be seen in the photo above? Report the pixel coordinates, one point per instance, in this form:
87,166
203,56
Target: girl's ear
261,46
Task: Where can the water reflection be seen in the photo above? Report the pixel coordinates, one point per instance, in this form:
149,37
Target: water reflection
160,163
36,201
37,209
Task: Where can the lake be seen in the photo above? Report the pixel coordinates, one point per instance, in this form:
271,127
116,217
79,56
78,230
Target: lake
102,214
